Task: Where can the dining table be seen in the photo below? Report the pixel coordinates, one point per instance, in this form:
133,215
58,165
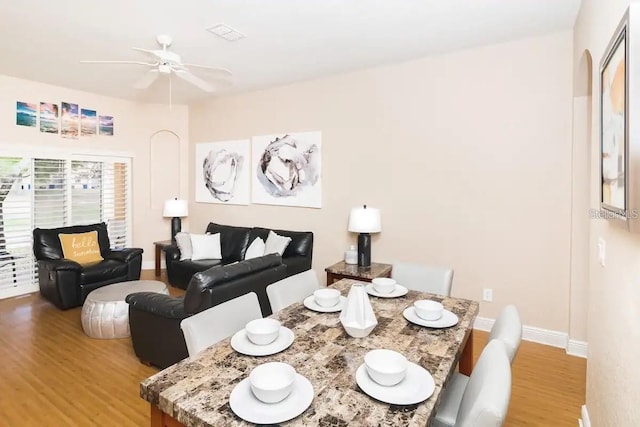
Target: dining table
196,390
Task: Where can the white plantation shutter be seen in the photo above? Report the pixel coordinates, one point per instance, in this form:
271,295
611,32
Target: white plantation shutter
17,265
116,212
86,192
50,192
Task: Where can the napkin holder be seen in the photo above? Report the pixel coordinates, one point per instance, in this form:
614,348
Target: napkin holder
357,316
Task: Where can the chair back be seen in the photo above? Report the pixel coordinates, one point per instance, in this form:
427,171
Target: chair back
292,289
508,329
486,398
46,241
217,323
423,278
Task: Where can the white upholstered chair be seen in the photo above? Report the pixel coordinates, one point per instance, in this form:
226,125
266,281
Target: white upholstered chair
508,329
219,322
484,400
423,278
292,289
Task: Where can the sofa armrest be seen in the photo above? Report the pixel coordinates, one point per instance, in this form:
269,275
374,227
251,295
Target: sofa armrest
59,265
172,253
123,255
158,304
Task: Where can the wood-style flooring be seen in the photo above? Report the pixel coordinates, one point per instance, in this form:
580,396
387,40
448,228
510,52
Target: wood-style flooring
52,374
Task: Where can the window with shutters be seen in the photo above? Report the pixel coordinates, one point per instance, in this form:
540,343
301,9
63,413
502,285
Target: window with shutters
50,192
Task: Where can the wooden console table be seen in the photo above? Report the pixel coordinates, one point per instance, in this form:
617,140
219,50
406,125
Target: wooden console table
160,246
342,270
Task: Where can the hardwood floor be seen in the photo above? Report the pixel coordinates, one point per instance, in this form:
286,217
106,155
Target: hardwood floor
51,374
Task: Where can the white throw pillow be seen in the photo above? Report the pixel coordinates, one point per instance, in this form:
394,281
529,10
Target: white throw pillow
205,246
276,244
255,249
183,240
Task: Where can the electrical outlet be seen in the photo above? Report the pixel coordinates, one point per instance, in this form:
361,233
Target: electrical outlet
487,294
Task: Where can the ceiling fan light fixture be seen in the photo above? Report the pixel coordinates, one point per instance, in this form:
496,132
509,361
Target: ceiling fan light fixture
164,69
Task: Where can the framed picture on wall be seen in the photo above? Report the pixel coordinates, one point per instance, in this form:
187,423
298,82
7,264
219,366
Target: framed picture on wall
614,124
222,172
620,124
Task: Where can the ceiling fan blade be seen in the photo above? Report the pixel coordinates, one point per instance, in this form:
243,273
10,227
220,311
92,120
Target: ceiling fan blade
222,73
194,80
149,51
147,79
150,64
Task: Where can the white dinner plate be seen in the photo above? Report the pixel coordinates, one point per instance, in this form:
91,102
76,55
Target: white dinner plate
447,319
311,304
245,405
397,292
416,387
241,343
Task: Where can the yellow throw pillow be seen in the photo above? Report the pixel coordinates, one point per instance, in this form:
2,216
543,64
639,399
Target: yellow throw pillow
82,248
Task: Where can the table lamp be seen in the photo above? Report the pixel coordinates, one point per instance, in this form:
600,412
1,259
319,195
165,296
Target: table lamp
174,208
364,220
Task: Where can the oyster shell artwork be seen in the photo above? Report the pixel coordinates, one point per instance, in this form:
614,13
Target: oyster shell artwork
221,170
222,175
286,167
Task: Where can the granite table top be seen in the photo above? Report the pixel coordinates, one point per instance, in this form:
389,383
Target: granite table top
196,391
376,269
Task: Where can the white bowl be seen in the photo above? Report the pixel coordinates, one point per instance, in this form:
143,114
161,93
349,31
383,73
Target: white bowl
384,285
326,297
427,309
272,382
386,367
263,331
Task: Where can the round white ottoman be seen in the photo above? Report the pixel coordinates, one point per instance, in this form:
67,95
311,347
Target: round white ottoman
105,314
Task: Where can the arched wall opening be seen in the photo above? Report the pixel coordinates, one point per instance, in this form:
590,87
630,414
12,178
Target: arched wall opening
581,208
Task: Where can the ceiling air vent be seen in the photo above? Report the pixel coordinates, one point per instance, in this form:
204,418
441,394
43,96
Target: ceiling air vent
226,32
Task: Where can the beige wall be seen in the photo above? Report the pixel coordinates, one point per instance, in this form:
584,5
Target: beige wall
134,125
468,156
613,377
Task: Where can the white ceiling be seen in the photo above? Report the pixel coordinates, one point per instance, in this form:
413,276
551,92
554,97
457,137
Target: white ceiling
287,40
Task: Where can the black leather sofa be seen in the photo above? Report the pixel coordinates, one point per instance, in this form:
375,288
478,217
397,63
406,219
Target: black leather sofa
66,283
154,319
234,242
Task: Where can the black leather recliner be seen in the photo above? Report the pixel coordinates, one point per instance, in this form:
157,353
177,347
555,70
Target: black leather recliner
234,242
66,283
154,319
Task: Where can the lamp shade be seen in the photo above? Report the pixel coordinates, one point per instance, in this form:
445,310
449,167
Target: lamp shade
365,220
174,208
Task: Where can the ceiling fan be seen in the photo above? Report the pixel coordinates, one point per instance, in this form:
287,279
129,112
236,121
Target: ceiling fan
163,61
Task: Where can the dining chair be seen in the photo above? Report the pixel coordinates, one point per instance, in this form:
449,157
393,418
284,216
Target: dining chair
484,401
221,321
423,278
292,289
508,329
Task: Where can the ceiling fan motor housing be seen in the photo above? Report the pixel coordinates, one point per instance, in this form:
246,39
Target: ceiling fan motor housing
164,68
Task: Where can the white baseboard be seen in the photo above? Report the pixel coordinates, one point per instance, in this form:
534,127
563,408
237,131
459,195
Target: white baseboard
577,348
15,291
541,336
151,265
584,417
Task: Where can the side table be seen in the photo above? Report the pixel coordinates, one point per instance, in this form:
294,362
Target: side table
342,270
160,245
